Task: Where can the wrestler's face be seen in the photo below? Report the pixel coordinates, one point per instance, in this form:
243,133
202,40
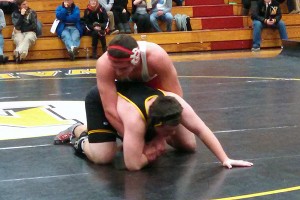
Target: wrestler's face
166,130
122,69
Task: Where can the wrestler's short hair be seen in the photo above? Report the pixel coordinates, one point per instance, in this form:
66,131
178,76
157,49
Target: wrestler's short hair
165,110
124,42
19,2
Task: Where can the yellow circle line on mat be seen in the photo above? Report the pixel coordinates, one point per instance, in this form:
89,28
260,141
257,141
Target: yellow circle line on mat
261,193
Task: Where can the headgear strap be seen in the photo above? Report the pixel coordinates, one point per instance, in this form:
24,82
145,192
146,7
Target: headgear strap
134,54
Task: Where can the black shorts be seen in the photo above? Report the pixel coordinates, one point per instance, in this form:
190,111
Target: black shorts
99,129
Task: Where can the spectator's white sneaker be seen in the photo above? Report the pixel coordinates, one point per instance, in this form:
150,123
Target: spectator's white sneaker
23,55
255,49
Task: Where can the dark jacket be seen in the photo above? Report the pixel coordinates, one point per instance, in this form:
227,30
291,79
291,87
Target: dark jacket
98,15
273,11
25,23
65,17
119,5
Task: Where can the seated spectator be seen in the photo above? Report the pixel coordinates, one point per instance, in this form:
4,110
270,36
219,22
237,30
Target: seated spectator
96,20
107,5
140,16
161,10
3,59
69,28
8,6
25,26
121,15
267,15
248,5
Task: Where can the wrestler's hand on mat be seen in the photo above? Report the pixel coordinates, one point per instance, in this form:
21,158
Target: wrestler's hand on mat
160,145
154,148
150,152
229,163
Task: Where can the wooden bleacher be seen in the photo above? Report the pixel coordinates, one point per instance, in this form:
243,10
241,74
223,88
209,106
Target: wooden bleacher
219,26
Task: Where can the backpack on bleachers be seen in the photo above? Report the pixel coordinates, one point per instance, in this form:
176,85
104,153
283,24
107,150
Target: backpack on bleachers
183,22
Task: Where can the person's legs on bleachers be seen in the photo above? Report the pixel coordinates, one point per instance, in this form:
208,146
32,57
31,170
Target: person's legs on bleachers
75,35
154,22
257,28
282,30
28,41
67,39
3,59
17,38
111,25
168,18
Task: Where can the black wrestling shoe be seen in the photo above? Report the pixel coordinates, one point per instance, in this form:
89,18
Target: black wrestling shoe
78,143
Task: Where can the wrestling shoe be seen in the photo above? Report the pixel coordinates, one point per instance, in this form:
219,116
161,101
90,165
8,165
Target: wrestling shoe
65,136
78,143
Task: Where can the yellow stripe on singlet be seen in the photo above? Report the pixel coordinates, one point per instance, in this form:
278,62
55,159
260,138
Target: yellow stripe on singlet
147,108
131,102
100,131
146,100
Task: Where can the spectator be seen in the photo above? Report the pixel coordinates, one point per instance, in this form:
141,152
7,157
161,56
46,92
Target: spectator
3,59
24,36
8,6
121,15
69,28
107,5
161,10
267,15
140,16
248,5
96,21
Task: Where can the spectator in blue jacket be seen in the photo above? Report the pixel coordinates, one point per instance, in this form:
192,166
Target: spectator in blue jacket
69,28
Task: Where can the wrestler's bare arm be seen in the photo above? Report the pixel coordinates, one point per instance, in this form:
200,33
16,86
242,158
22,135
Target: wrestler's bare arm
193,123
161,63
133,139
108,93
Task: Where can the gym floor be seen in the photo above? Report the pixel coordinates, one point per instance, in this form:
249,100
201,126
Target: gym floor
251,104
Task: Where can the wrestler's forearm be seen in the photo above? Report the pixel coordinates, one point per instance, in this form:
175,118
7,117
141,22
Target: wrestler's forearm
210,140
115,120
136,165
